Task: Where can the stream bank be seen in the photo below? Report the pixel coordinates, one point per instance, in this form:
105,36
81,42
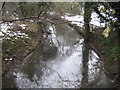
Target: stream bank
16,48
110,67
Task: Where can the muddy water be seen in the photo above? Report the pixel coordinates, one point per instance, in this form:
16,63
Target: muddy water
58,63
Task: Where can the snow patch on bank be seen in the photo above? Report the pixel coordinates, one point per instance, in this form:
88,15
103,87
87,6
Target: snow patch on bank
6,31
79,20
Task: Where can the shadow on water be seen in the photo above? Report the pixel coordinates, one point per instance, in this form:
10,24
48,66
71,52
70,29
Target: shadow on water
58,63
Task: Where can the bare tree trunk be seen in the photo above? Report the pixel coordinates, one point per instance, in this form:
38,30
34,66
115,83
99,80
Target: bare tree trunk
118,51
1,6
85,66
87,15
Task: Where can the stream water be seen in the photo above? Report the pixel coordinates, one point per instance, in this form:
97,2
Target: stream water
58,63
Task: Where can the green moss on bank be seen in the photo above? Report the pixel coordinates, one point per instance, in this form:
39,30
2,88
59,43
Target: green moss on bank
14,49
111,53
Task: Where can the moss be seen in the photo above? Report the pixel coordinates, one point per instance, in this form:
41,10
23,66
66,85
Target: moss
32,46
111,47
10,46
112,53
13,47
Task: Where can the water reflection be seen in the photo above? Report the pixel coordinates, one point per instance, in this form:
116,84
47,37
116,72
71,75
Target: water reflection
59,72
9,82
58,62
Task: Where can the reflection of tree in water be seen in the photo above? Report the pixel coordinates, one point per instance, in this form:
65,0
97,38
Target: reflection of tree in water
9,82
30,68
87,15
37,62
49,53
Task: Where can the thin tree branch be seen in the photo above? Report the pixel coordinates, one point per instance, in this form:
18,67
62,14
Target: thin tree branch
20,19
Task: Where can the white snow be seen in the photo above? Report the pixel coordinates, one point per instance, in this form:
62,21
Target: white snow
79,20
6,31
8,59
23,26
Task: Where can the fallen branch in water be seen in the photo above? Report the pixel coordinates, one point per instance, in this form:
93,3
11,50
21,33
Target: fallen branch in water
96,51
